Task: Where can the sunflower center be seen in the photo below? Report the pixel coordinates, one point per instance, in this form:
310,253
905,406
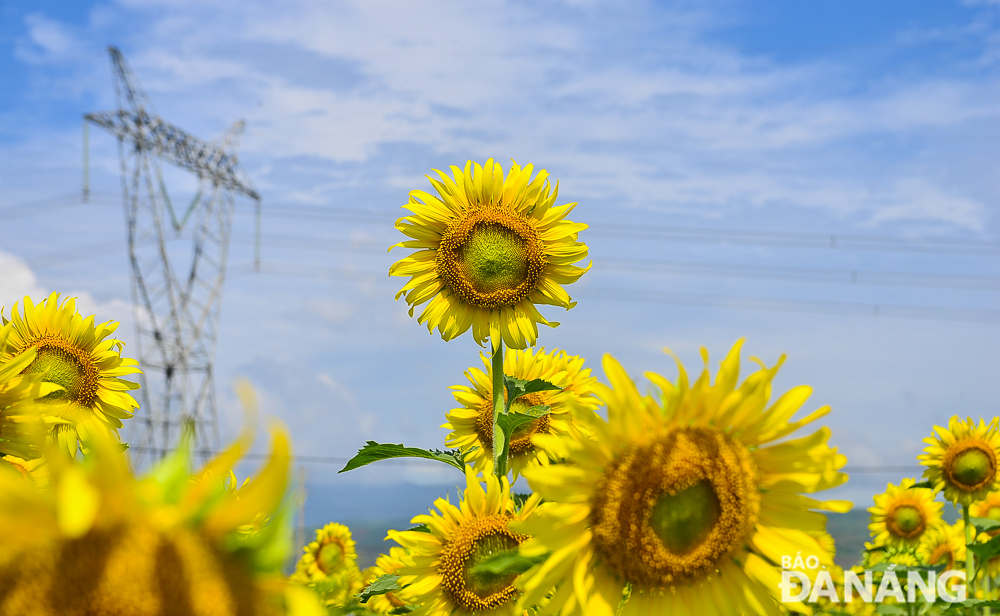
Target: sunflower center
493,257
474,542
330,557
66,365
672,510
942,556
520,441
972,468
490,259
906,521
682,521
483,583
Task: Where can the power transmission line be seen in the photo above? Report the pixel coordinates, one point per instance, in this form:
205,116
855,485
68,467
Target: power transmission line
841,308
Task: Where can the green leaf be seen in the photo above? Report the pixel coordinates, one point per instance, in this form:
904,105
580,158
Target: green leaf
884,566
519,498
518,387
923,484
381,585
510,561
985,551
404,609
373,452
890,609
419,528
971,603
508,422
984,524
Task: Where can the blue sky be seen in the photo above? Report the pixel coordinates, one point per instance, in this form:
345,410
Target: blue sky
664,121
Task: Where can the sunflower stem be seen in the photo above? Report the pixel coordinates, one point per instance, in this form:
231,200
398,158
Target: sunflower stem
499,460
970,558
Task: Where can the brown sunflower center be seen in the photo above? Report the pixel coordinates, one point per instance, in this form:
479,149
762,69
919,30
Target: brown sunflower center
942,555
672,510
970,466
330,556
520,441
906,521
475,541
491,258
65,364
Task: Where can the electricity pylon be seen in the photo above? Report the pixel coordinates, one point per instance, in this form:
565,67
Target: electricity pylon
177,317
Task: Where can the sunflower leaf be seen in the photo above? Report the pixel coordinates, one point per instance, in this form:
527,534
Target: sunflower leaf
985,551
519,387
510,561
923,484
381,585
508,422
968,603
984,524
419,528
373,452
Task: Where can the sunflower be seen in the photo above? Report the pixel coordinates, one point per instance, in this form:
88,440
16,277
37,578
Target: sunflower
100,542
489,249
944,545
77,355
962,460
439,575
472,425
903,514
386,564
329,565
687,500
988,507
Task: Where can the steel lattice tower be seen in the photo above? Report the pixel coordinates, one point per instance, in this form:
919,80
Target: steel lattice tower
177,316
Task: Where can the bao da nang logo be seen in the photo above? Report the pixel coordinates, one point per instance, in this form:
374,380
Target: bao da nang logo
805,580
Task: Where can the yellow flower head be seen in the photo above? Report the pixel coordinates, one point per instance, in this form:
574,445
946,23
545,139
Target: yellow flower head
472,425
77,355
99,541
989,508
961,460
439,573
944,545
331,553
689,499
903,514
386,564
489,249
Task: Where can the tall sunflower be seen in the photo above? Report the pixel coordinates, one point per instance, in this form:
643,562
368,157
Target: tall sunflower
439,575
472,425
961,459
98,541
902,514
687,500
489,248
77,355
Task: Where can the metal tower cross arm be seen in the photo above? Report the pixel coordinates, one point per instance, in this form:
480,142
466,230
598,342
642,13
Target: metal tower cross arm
151,134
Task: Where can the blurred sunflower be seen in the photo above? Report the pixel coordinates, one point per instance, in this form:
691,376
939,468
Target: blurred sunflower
439,573
77,355
688,501
472,425
944,545
329,565
100,542
961,460
489,249
386,564
903,514
989,507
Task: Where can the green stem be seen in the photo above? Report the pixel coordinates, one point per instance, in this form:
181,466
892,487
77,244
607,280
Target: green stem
987,587
499,462
970,558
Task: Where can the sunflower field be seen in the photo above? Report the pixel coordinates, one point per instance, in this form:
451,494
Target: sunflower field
702,495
